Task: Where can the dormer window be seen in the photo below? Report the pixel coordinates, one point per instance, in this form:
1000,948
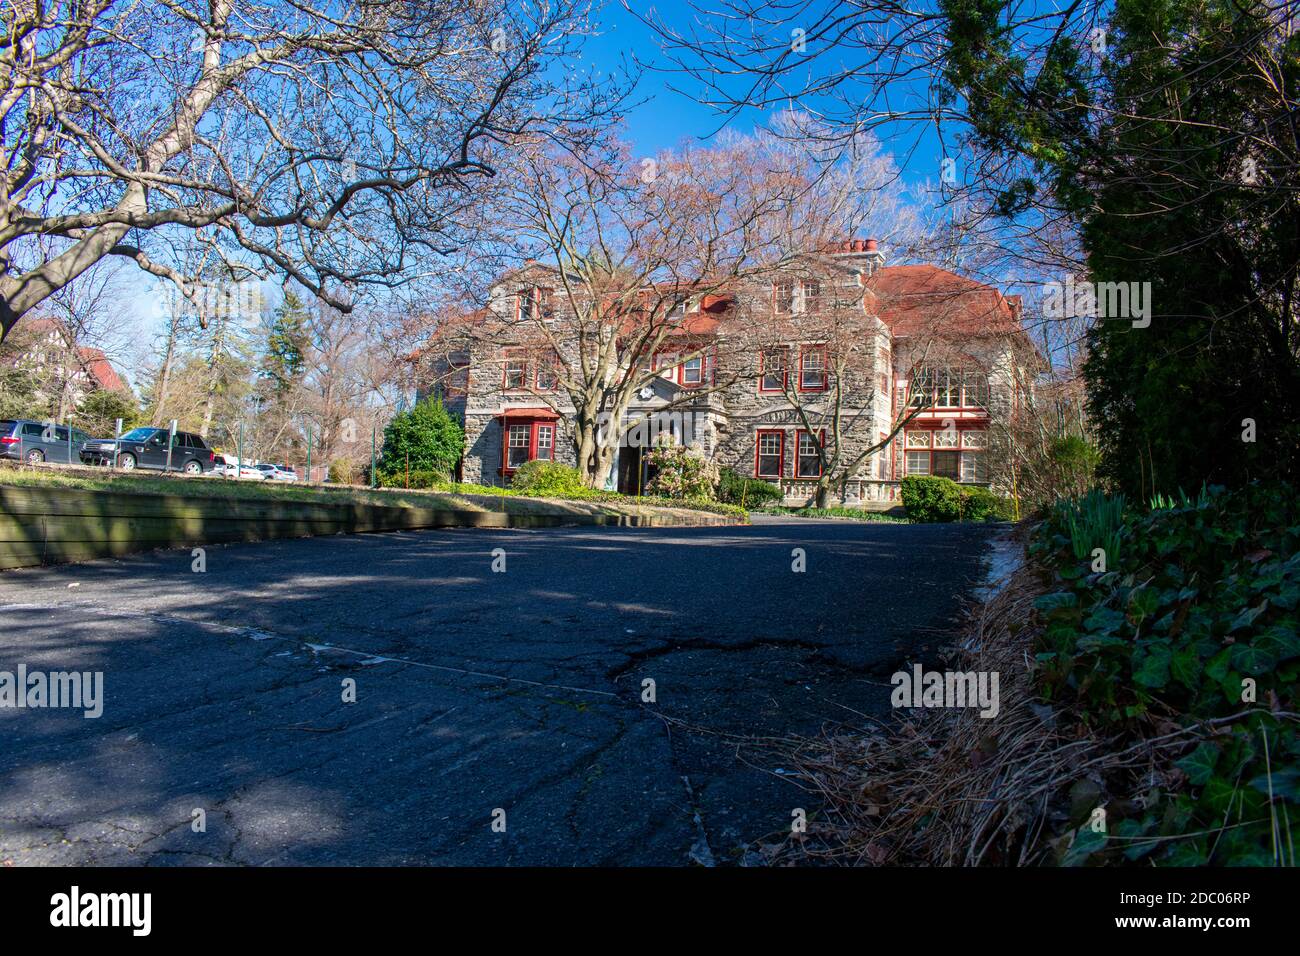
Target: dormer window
534,302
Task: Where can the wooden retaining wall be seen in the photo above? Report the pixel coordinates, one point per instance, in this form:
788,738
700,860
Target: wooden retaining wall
51,525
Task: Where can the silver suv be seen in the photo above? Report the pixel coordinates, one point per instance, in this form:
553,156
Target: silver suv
34,442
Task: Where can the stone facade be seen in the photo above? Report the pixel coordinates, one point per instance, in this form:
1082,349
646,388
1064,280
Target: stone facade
498,388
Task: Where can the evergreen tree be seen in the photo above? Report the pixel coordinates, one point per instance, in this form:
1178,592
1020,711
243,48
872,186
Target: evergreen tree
425,438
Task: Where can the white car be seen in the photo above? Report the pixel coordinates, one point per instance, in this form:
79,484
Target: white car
277,472
233,469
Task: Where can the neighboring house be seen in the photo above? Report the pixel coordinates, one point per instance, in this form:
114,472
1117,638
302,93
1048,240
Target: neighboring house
832,343
64,372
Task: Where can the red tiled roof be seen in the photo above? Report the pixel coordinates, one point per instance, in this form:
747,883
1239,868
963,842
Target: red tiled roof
100,369
911,298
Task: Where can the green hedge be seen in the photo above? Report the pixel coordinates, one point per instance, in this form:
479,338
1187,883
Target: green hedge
548,479
736,489
929,498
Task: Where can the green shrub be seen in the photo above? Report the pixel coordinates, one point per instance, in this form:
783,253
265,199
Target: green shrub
1194,620
930,498
980,504
681,472
425,438
418,478
344,472
736,489
548,479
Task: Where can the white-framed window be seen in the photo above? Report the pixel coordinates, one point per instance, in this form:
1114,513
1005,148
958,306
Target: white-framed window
918,438
769,456
783,298
810,297
975,438
518,445
693,371
918,462
812,369
772,362
807,463
515,375
946,437
545,442
974,466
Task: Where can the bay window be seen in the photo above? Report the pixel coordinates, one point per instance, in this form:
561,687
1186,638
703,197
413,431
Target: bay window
953,453
527,436
950,388
518,446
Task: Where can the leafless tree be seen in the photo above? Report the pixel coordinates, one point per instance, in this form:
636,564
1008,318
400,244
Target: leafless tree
337,143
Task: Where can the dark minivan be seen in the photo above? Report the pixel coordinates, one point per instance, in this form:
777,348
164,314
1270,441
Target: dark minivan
34,442
147,448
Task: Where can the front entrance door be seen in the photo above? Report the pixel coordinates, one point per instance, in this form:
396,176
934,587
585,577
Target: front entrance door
631,479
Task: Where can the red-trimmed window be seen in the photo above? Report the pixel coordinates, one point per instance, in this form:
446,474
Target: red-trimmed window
812,298
543,441
547,377
692,372
783,298
534,302
518,447
772,368
769,453
812,369
526,441
665,363
514,372
807,463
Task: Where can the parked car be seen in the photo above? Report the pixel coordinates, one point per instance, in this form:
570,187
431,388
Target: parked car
278,472
147,448
34,442
228,466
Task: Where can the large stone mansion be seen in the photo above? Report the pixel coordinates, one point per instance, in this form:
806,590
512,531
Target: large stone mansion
942,354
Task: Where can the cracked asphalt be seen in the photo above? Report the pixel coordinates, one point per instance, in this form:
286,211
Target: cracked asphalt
475,691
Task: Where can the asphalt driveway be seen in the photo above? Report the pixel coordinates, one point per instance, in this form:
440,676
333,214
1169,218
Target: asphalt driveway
481,696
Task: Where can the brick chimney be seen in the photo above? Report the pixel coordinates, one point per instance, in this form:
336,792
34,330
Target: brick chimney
864,254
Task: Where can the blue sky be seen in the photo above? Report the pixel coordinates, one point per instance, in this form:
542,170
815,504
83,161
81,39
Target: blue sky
668,116
662,119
